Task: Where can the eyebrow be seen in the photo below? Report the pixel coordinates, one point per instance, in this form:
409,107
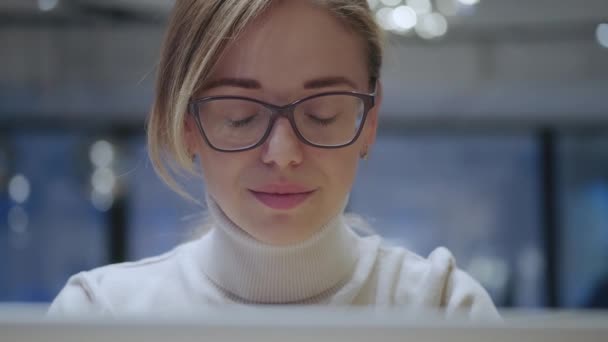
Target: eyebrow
329,82
248,83
245,83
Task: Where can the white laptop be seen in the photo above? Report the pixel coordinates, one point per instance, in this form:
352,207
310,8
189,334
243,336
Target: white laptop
295,324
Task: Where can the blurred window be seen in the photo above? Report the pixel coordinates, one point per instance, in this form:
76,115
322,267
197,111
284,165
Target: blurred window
583,248
476,195
49,229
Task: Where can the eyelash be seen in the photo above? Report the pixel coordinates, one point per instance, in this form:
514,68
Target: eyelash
243,122
323,122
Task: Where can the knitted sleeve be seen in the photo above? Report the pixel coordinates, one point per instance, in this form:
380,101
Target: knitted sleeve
78,297
460,293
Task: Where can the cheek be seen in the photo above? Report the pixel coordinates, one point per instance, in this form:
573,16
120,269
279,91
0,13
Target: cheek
220,172
340,166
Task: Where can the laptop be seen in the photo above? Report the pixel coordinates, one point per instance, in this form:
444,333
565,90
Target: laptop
295,324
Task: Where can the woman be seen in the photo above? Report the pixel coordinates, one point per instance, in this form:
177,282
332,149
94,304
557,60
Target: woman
277,100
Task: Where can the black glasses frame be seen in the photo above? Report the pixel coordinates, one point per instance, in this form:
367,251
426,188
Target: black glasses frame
286,111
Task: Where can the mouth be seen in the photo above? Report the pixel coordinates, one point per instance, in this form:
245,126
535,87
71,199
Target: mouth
282,201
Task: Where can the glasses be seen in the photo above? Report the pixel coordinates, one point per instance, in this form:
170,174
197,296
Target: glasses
327,120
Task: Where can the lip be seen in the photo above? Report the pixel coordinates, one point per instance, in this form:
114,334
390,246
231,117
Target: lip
282,196
283,188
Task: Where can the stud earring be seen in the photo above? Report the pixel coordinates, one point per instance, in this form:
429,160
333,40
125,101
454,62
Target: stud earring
363,154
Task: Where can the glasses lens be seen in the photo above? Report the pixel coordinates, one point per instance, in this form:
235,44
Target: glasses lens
330,120
232,124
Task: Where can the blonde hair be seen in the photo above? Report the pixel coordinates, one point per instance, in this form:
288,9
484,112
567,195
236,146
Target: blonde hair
197,35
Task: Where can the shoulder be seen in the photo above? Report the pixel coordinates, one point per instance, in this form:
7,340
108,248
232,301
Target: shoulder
100,290
433,282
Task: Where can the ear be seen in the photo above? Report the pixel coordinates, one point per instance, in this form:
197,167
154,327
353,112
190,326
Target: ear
372,117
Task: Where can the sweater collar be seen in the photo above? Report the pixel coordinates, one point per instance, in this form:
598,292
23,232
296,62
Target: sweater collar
260,273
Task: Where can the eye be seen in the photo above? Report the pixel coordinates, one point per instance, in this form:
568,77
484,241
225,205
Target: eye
322,121
242,122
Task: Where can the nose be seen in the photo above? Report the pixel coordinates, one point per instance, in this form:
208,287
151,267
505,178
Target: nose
282,147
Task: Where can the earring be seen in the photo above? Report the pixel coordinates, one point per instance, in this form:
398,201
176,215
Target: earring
363,154
192,157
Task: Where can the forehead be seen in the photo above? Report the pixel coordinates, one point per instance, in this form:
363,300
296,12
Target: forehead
294,41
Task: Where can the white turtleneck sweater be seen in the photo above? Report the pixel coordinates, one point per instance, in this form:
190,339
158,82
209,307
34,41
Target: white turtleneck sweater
227,266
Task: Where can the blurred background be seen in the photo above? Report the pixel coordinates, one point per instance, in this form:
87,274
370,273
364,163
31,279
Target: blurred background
493,142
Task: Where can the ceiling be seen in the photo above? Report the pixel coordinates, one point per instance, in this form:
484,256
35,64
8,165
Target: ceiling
486,14
524,59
